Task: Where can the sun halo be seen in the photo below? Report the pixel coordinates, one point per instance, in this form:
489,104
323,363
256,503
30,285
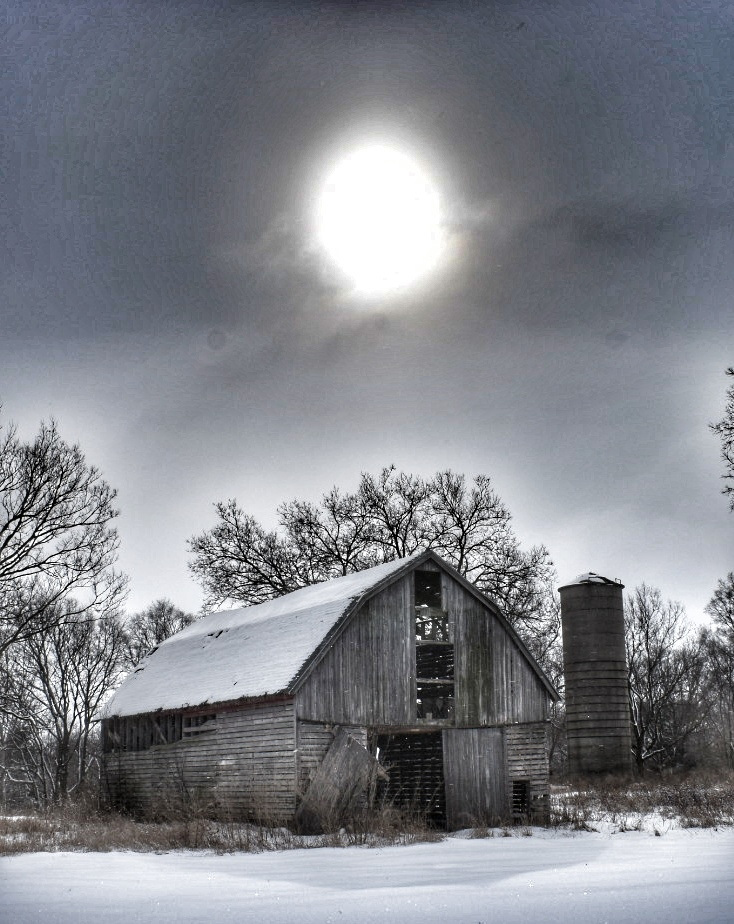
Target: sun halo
378,217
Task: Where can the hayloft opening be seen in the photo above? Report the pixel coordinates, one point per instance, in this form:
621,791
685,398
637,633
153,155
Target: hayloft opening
434,650
434,701
428,588
431,620
414,774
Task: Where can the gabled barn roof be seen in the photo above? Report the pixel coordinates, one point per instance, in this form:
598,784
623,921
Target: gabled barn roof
259,651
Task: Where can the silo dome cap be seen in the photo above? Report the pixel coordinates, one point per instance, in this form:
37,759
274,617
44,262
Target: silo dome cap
591,577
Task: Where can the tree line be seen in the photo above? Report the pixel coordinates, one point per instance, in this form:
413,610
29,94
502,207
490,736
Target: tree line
66,641
52,685
681,681
390,515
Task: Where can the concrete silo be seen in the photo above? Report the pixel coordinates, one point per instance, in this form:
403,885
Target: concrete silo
595,667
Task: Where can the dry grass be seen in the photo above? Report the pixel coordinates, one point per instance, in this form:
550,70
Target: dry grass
84,830
58,831
691,800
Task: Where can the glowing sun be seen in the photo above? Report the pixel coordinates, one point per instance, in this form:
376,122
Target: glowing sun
378,218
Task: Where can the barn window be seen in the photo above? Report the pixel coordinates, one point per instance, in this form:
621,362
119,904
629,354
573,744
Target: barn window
195,725
431,620
167,727
138,733
521,800
428,588
434,701
435,661
434,650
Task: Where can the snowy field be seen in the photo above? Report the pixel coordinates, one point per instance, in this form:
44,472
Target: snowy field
553,877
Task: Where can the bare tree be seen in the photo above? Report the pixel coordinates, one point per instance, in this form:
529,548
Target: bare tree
17,742
721,608
329,540
665,677
239,561
718,643
398,511
469,526
719,693
144,631
53,692
724,429
389,516
56,538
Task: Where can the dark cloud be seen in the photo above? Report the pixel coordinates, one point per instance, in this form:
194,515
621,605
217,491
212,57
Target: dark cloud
147,141
630,227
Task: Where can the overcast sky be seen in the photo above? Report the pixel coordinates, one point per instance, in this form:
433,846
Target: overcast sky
164,299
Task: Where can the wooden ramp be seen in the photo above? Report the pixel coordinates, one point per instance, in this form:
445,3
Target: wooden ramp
338,786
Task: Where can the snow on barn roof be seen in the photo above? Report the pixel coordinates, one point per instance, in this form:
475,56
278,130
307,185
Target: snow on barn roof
248,652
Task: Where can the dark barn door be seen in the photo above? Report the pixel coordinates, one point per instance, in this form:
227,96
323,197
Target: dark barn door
414,765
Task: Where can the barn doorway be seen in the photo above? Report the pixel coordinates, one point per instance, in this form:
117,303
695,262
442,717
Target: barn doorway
414,768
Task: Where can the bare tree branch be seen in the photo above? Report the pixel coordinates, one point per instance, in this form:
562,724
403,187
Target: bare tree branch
390,515
724,429
56,537
144,631
665,676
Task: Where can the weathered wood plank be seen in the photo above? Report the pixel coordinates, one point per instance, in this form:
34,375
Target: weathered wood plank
495,683
368,675
248,774
474,767
338,785
527,759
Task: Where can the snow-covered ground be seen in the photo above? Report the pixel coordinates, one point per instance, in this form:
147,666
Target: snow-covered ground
682,876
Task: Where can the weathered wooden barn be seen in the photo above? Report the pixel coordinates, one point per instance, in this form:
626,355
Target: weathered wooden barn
401,684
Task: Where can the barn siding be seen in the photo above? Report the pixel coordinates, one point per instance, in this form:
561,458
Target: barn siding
314,740
519,693
495,683
475,775
245,767
471,625
367,677
527,759
428,566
